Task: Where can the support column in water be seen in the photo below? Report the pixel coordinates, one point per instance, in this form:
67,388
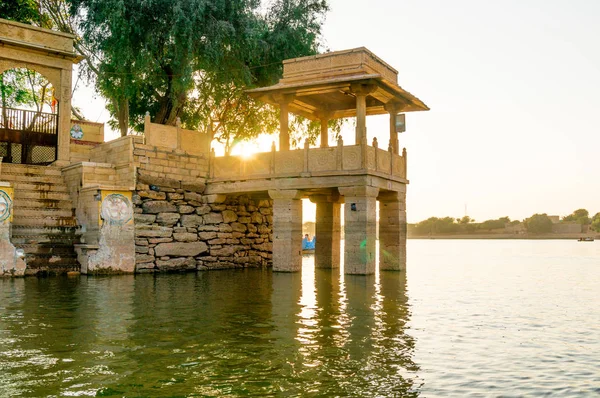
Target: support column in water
287,230
327,231
360,227
392,231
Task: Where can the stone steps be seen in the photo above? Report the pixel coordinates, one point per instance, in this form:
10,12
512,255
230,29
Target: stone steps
44,225
43,211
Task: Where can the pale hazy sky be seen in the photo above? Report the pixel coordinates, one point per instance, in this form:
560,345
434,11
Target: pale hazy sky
513,87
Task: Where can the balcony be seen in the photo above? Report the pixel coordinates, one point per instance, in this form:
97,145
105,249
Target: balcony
28,137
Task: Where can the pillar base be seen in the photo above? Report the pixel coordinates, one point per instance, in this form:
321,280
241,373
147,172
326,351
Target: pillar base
392,231
287,230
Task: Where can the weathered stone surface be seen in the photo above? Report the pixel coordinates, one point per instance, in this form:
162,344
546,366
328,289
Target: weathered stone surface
213,218
263,229
236,226
141,242
193,196
229,216
185,237
257,218
185,209
158,206
143,258
155,241
167,219
252,228
245,220
203,209
180,249
179,229
152,195
178,263
198,187
174,196
225,228
265,211
207,235
146,231
141,249
158,181
223,251
191,220
144,218
209,228
215,198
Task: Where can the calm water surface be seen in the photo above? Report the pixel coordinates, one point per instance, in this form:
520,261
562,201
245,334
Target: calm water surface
469,318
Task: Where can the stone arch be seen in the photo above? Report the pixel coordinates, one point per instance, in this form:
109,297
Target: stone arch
49,53
51,74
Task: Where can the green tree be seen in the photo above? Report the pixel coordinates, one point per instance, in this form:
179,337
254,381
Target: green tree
26,11
493,224
435,225
538,223
580,216
193,59
595,224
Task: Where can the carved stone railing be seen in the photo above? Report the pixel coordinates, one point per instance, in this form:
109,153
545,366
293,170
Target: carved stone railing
311,162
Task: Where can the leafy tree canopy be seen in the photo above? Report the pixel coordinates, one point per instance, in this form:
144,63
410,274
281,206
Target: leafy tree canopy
26,11
595,223
538,223
193,59
581,216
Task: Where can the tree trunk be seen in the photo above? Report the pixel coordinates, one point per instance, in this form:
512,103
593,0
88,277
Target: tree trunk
123,115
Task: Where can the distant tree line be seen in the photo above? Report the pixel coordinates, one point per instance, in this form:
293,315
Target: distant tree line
537,223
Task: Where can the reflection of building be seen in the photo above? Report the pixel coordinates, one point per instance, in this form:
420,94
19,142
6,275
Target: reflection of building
194,210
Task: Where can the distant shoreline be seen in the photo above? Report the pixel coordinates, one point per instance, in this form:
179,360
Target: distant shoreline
505,236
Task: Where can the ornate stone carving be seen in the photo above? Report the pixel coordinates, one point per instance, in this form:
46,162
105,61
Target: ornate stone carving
116,209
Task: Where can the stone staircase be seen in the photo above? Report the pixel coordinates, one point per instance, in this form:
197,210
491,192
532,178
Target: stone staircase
44,224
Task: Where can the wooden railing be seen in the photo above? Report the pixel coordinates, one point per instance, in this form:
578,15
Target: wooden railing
28,121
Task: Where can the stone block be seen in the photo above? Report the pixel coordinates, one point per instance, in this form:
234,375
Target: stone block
144,218
252,228
179,263
185,237
218,207
214,198
143,258
185,209
257,218
213,218
203,209
245,220
158,206
152,195
207,235
191,220
146,231
198,187
167,219
141,242
238,227
180,249
179,229
229,216
141,249
174,196
192,196
209,228
155,241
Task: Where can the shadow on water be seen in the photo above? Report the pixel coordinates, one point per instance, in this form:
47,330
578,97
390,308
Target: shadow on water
226,333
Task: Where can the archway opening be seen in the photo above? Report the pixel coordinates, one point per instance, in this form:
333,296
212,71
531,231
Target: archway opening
28,118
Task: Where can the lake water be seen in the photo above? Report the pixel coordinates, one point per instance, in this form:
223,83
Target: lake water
470,318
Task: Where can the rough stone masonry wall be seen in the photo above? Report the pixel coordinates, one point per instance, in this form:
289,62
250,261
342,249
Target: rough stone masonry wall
179,228
182,230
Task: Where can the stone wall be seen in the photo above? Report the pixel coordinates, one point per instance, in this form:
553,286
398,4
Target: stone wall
179,229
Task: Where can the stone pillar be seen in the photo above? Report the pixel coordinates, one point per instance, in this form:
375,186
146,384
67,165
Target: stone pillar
361,91
328,231
64,117
287,230
392,231
324,132
284,124
392,110
360,227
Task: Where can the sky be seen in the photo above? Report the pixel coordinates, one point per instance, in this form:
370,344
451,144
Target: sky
513,90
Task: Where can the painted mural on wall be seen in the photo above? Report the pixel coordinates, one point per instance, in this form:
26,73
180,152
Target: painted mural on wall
5,204
76,132
116,208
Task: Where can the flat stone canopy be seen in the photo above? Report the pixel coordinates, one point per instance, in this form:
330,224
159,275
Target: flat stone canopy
325,86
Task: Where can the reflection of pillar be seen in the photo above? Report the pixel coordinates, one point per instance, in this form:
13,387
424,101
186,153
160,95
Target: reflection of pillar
392,110
360,225
284,124
327,231
287,230
392,231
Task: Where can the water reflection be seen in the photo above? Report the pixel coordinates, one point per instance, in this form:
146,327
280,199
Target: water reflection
226,333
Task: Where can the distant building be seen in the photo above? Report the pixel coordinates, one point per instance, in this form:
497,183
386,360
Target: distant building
554,219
